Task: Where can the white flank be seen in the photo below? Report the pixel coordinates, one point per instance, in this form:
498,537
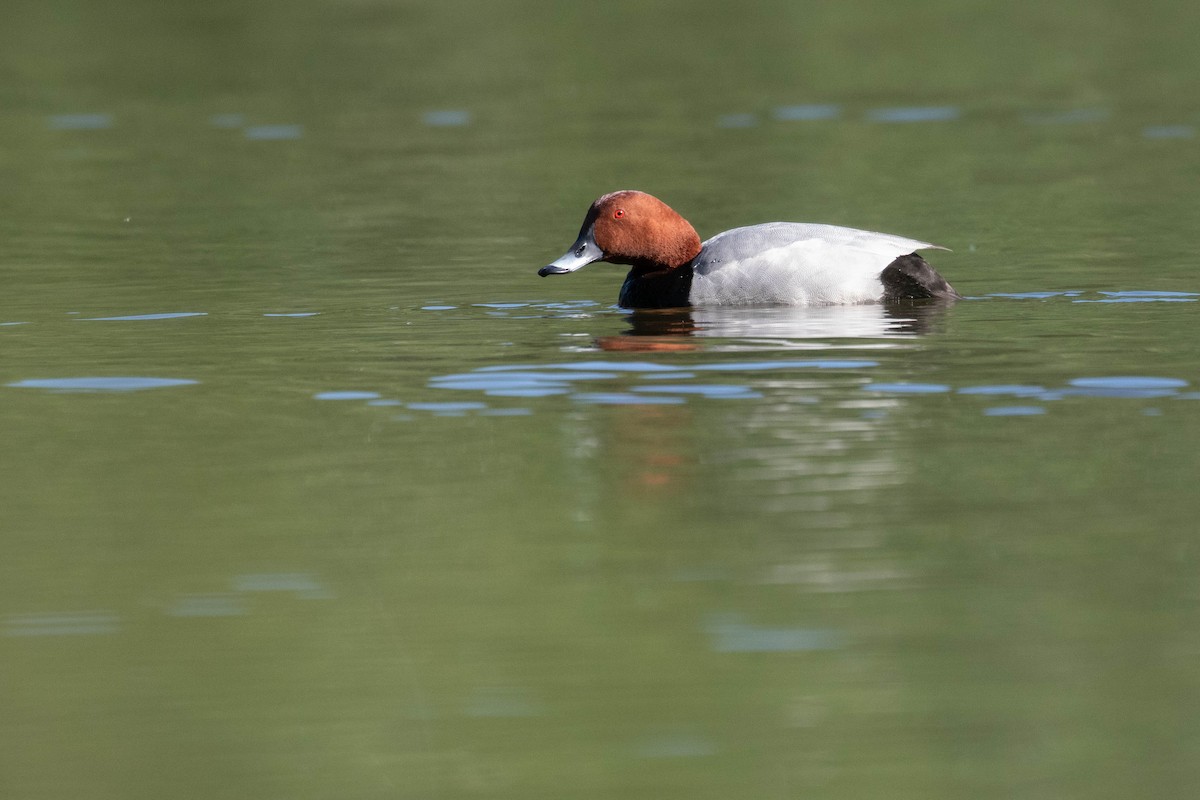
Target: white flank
795,263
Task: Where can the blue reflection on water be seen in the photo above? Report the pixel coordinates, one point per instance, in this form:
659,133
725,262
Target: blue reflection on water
1152,294
818,363
525,380
301,584
1169,131
516,390
720,391
447,118
624,399
607,366
1118,386
79,122
1125,387
518,383
100,384
486,377
1015,390
140,317
914,114
346,395
1131,296
271,133
1035,295
446,407
804,113
670,376
666,384
1145,297
907,388
731,635
82,623
1130,382
1013,411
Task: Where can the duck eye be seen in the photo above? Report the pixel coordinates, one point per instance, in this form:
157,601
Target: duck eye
620,212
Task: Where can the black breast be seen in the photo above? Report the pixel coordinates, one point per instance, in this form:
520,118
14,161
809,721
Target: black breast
664,289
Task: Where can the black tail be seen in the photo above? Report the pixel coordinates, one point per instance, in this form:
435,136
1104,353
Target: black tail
911,278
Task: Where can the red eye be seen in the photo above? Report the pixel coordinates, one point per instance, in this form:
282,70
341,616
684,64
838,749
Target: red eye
620,212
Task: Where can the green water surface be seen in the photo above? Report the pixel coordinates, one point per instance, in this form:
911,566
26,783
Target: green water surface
407,521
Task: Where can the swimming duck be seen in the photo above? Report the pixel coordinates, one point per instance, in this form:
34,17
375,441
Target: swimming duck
779,263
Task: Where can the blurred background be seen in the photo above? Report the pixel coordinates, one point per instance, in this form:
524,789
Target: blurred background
311,487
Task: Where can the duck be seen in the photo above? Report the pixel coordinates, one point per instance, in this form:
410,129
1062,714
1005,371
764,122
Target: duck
773,263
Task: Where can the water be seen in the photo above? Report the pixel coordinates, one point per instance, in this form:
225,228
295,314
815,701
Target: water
312,488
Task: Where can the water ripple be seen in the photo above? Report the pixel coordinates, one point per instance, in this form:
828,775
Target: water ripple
907,388
447,118
623,399
1015,390
1013,411
140,317
914,114
82,623
346,395
720,391
1169,132
817,363
1145,297
1124,387
1034,295
301,584
806,113
526,380
100,384
731,635
79,122
1131,296
601,382
274,133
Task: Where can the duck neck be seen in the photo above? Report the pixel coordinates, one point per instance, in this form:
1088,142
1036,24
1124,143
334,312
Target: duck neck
676,256
661,288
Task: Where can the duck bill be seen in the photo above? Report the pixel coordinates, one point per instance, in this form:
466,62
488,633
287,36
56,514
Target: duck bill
585,251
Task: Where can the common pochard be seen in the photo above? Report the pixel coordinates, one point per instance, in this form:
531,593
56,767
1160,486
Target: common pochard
781,263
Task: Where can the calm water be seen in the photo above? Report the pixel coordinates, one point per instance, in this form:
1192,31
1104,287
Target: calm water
313,489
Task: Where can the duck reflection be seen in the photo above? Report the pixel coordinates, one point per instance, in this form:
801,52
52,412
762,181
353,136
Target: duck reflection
671,329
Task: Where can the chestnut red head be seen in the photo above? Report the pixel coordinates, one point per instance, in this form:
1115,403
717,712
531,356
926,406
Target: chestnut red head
630,227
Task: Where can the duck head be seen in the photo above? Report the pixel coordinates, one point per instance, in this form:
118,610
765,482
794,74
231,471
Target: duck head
633,228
